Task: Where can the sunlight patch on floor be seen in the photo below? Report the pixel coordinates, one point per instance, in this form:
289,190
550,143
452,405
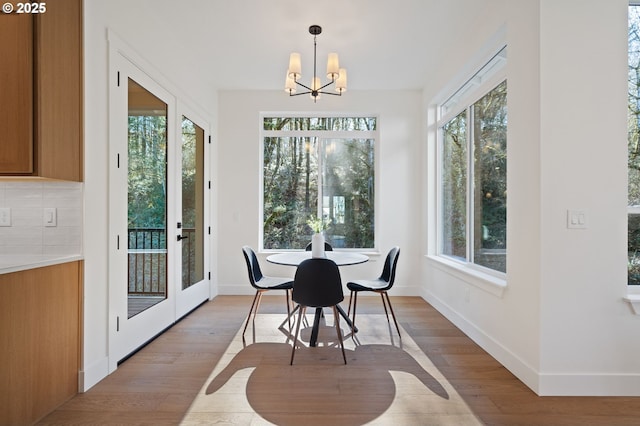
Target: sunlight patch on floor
387,381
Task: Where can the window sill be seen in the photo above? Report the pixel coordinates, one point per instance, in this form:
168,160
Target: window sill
634,301
486,282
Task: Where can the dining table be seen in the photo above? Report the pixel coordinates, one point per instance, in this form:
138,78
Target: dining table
341,258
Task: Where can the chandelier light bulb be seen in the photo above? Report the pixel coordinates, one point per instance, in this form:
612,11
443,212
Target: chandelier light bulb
295,67
341,82
289,84
332,66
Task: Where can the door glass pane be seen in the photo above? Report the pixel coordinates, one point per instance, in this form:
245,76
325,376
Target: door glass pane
147,199
454,187
192,203
348,192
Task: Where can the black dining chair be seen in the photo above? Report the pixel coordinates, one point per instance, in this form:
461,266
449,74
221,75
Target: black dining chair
380,285
317,284
263,284
327,247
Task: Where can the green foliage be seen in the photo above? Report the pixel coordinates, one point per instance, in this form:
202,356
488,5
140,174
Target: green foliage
291,175
147,174
317,224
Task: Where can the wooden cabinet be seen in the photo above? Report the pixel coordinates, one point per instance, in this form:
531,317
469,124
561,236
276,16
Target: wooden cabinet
49,130
16,94
40,329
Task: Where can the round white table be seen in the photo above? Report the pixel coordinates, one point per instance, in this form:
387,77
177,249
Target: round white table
294,258
341,258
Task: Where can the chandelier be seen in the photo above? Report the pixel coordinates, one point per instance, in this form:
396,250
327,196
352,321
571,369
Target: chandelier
337,75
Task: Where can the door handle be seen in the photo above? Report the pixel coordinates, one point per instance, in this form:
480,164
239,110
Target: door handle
180,237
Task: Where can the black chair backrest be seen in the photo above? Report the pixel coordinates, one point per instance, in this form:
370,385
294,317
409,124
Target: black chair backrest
327,247
389,270
317,283
253,267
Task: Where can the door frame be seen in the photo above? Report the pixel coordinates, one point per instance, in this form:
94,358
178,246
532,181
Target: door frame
148,324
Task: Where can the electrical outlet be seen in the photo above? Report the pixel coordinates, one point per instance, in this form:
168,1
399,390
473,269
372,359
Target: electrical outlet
5,216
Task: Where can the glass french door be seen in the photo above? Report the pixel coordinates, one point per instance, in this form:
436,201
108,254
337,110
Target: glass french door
191,226
157,209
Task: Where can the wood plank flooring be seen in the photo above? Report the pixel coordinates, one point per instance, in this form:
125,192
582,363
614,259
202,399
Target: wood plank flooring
158,385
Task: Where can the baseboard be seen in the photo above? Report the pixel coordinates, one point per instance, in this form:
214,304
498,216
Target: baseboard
543,384
92,374
589,385
523,371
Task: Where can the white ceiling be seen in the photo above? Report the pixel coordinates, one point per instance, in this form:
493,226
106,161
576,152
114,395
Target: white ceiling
245,44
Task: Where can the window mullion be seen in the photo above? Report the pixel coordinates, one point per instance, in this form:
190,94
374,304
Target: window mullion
470,184
320,148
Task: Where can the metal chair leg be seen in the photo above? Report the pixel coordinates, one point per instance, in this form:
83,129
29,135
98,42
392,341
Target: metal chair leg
286,294
336,317
392,313
350,302
250,311
295,338
355,302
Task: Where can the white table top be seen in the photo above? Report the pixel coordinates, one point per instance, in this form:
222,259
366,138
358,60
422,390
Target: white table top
294,258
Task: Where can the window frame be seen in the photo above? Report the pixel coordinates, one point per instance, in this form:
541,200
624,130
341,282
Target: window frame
320,135
632,288
486,78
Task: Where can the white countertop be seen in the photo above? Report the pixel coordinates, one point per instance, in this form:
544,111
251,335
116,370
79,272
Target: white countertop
15,263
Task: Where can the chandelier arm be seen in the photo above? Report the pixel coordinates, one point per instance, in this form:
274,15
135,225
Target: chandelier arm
328,84
302,93
330,93
300,84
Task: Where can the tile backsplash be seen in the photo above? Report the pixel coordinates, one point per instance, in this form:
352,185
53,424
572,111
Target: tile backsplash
27,202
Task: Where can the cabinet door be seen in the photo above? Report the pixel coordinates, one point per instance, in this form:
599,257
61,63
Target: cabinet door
16,94
58,78
40,327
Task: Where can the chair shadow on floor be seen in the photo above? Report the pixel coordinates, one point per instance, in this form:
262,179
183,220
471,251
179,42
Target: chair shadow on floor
319,384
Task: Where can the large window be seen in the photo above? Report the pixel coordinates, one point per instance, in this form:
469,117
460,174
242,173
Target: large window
318,167
633,209
473,170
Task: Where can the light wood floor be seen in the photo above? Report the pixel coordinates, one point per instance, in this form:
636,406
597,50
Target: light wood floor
158,384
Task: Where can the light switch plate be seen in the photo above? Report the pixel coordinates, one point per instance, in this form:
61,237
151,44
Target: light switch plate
5,216
50,216
577,219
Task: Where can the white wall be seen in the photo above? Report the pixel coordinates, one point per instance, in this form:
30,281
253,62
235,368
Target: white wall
585,325
560,325
398,180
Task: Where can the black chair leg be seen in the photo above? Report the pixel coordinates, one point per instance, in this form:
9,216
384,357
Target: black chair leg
286,294
295,338
354,297
385,294
256,297
337,321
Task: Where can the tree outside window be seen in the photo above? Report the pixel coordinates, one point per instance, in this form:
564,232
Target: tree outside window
318,167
